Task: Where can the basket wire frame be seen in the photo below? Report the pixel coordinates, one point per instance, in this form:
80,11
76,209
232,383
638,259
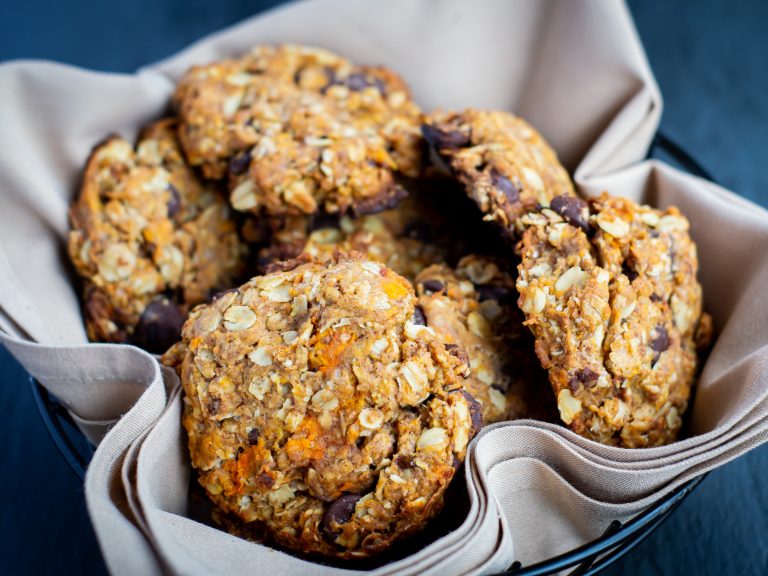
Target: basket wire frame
617,539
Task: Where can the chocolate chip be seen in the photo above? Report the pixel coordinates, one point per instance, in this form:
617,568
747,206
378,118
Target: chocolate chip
505,185
385,201
355,82
240,163
174,202
660,342
339,512
501,294
655,297
475,413
418,316
585,376
404,462
574,210
253,436
358,81
441,140
159,326
627,270
458,352
432,285
265,479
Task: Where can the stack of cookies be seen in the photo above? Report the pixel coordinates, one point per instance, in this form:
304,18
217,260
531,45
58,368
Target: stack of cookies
350,288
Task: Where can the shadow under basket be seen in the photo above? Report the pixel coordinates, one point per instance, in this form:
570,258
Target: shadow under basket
617,539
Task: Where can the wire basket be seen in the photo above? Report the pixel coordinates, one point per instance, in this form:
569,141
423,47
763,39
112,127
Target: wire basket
617,540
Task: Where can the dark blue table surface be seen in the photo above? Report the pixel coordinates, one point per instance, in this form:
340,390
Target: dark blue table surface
711,61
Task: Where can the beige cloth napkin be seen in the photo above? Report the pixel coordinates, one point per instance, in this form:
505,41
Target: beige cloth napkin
577,71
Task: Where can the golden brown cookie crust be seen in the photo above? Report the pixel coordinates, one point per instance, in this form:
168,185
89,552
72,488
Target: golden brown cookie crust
143,227
299,130
611,296
508,169
318,410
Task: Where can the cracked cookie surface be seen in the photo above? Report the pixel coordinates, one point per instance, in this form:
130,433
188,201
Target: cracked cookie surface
319,411
506,166
473,309
299,130
149,239
610,293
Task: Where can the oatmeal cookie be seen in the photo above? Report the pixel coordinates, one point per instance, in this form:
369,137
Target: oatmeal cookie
381,237
610,292
473,309
396,238
148,239
319,411
435,224
508,169
299,130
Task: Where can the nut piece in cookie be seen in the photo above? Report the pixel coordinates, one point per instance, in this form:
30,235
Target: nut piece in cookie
148,239
610,293
319,411
299,130
508,169
473,309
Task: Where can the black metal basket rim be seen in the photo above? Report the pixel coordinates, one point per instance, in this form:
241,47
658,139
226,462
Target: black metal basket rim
616,541
614,536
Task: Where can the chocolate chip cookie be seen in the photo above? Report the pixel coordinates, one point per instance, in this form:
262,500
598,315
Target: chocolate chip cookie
148,239
609,290
508,169
473,309
300,130
319,410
